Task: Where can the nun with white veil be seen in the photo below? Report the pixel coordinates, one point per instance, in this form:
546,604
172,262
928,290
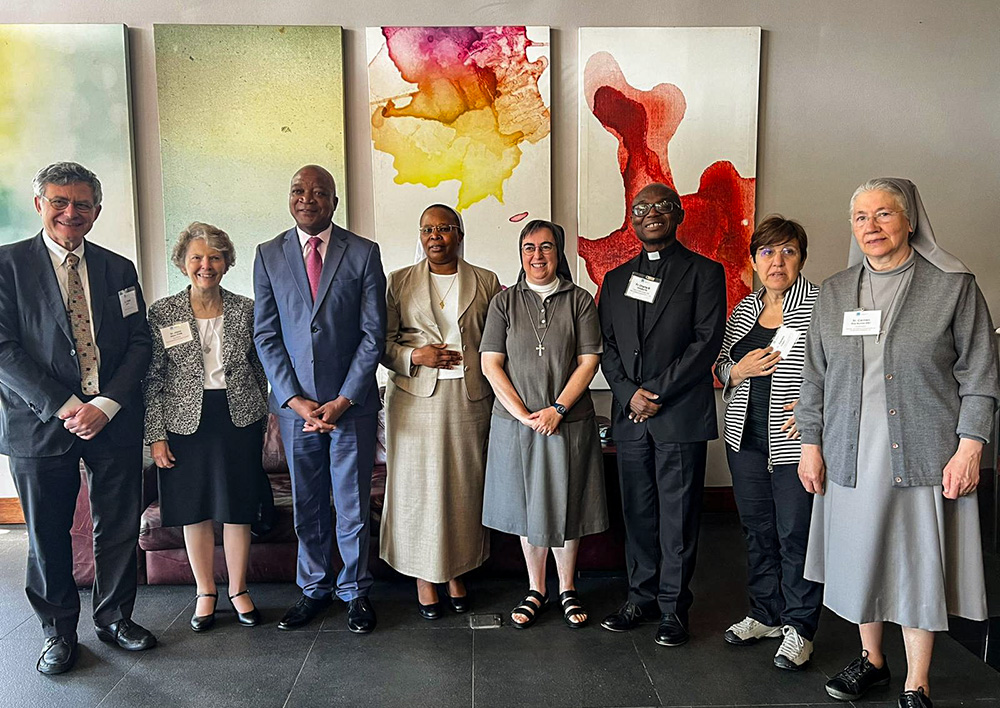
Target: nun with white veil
898,395
437,408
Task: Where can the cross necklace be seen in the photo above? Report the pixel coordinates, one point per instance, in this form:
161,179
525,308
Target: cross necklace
442,298
531,318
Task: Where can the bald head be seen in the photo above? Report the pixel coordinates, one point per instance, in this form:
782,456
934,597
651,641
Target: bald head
312,199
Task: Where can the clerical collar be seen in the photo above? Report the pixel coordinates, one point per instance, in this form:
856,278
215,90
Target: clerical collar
653,255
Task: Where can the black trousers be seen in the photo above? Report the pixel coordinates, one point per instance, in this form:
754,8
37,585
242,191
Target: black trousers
775,510
48,488
662,485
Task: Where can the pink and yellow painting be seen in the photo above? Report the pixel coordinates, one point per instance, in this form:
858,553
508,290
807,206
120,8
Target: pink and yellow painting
459,116
677,106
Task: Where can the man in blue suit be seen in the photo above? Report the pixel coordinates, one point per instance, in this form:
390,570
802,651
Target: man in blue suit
74,346
320,332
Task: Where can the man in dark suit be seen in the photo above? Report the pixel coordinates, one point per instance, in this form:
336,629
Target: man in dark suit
320,332
74,346
662,315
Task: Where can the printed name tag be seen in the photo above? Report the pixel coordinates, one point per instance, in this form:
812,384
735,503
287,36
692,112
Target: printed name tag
858,323
129,301
642,287
784,339
175,334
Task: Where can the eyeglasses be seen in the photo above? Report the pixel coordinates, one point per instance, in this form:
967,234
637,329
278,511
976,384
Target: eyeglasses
786,251
440,229
882,216
528,249
664,206
60,204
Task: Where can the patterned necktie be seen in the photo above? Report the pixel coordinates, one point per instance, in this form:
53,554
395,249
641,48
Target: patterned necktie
314,264
79,319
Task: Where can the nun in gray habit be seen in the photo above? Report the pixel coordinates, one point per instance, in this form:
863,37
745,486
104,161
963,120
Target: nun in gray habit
544,473
898,394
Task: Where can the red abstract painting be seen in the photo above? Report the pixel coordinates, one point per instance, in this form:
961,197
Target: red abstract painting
719,216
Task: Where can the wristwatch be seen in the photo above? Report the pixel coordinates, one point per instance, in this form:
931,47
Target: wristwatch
560,408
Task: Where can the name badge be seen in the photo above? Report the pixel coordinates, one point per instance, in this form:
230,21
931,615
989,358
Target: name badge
784,339
175,334
642,287
859,323
129,301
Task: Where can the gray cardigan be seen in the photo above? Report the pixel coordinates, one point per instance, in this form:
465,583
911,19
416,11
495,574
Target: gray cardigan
941,382
174,384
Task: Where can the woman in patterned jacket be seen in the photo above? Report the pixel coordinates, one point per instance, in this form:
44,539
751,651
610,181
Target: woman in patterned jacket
206,399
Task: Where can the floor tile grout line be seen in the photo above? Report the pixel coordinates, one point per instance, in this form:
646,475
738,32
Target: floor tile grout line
473,666
301,669
118,683
646,671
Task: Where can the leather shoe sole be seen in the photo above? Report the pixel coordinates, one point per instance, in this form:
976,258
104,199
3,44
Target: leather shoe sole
301,614
110,637
52,668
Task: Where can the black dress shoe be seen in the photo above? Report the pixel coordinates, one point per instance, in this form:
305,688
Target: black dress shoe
460,605
247,619
203,623
429,612
361,615
856,678
671,632
626,617
303,611
126,634
914,699
58,655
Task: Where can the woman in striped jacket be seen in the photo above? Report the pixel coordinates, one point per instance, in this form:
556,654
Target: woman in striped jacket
761,369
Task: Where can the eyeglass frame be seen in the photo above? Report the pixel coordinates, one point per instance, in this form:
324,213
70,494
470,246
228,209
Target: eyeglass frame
544,247
645,208
882,216
439,229
82,207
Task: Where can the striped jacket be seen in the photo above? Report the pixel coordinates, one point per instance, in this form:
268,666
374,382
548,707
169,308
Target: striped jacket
785,381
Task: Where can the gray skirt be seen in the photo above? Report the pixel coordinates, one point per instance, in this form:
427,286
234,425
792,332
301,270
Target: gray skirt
547,488
435,458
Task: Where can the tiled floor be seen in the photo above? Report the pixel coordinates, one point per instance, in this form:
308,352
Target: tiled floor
411,662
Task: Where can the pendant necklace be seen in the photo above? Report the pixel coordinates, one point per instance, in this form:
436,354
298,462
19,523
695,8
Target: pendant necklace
211,331
541,347
441,298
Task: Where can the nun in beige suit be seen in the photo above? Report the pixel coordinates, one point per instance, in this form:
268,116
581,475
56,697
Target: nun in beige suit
438,407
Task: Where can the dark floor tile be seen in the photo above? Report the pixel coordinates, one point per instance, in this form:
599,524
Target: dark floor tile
384,669
247,668
98,668
552,665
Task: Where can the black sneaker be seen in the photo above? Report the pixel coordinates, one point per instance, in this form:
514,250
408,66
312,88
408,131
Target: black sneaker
856,678
914,699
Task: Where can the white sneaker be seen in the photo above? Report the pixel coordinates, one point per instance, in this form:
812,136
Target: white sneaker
794,652
748,631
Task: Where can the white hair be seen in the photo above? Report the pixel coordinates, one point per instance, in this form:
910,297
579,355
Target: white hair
880,184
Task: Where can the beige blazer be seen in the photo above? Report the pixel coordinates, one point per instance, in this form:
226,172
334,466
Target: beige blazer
410,325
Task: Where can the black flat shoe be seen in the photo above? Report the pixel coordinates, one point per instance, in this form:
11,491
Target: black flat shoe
58,655
671,632
203,623
460,605
429,612
626,617
360,615
126,634
247,619
303,612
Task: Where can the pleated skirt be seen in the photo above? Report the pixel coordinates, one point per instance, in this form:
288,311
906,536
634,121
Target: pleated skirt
435,463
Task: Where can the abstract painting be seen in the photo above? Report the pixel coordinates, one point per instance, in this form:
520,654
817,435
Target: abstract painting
677,106
64,95
460,116
241,109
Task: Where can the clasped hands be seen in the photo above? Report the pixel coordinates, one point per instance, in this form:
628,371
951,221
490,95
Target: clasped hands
546,421
436,356
319,418
84,421
642,406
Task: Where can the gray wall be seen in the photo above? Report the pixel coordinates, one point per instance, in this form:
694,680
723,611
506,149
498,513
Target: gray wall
850,89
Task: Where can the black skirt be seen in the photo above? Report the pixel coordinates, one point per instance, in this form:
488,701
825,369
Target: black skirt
217,469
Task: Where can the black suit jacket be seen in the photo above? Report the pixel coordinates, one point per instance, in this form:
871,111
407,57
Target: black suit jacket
674,356
38,366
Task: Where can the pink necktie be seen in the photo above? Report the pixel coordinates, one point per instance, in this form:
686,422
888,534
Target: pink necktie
314,264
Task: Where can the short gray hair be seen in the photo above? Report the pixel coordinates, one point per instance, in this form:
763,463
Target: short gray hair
63,173
881,184
212,235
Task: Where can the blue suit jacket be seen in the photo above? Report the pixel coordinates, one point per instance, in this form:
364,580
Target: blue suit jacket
328,348
38,365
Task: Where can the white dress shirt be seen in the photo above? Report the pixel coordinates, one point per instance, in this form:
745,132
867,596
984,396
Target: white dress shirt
324,237
210,333
446,286
58,255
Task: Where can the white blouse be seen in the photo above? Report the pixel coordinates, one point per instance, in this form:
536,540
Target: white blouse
210,333
446,287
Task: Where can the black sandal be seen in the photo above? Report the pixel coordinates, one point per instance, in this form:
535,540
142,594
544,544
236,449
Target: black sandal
570,602
529,609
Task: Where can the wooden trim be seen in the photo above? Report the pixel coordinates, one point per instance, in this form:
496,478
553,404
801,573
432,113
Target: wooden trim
10,511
